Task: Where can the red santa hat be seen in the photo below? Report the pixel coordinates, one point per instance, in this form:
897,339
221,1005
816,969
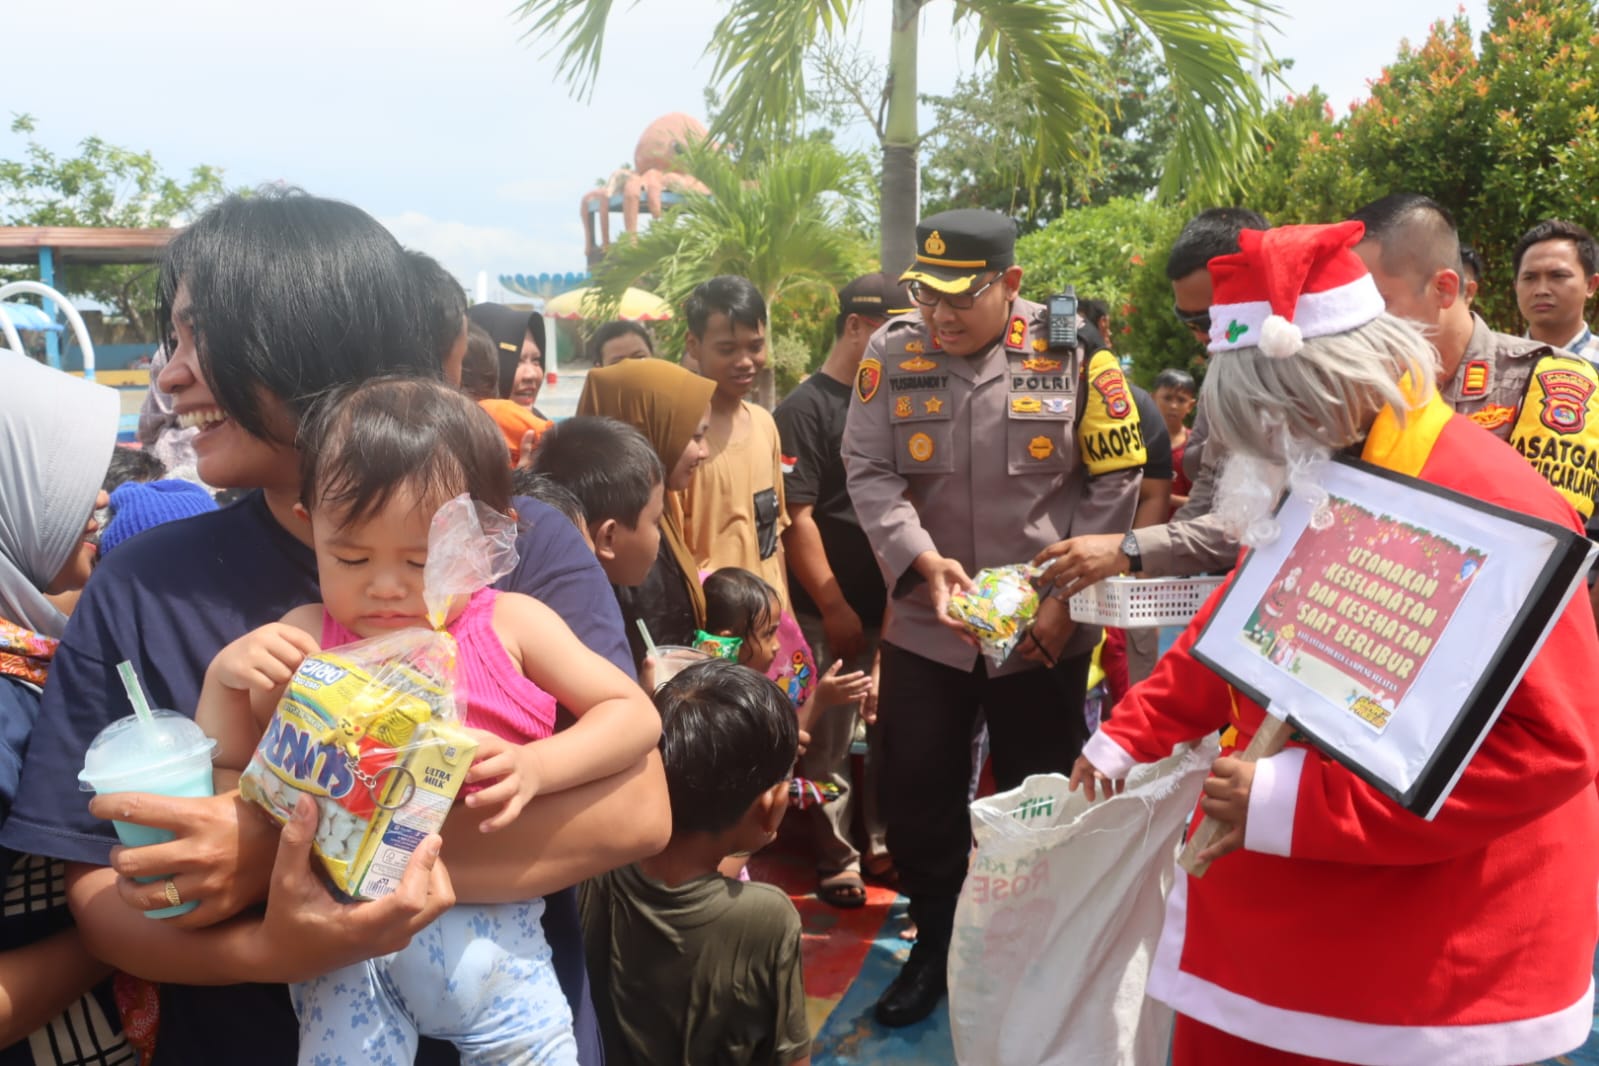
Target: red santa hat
1288,284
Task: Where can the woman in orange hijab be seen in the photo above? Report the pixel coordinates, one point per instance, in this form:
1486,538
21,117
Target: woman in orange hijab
672,408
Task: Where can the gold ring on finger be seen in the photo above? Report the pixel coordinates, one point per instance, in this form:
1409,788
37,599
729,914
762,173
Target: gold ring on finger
173,899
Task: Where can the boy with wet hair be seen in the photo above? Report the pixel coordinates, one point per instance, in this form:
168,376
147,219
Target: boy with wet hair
688,965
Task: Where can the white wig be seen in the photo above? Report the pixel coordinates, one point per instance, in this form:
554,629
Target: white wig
1326,395
1281,417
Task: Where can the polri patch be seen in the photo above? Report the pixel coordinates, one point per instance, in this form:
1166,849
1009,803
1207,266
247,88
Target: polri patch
1110,384
868,378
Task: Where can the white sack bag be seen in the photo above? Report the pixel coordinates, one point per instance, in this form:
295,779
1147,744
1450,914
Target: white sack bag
1059,917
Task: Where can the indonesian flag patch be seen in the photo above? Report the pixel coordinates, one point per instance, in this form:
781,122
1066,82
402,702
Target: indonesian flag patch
789,463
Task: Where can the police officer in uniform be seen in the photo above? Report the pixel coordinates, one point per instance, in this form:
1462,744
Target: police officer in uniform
1543,401
971,442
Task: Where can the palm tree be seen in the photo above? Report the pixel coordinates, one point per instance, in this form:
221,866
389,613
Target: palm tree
782,221
1042,46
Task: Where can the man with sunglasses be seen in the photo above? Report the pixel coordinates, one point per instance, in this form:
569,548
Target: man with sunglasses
1195,541
973,441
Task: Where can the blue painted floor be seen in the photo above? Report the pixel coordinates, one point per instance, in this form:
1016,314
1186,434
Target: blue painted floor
850,1036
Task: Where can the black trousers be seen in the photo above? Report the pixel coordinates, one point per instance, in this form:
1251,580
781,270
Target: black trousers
925,717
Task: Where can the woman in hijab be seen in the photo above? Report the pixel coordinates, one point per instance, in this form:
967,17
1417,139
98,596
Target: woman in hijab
57,434
672,408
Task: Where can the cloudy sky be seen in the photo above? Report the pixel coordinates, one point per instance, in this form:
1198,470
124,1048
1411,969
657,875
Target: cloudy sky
436,117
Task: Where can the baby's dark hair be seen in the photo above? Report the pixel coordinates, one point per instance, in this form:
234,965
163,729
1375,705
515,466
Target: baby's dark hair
737,602
1176,380
546,489
727,735
363,443
608,465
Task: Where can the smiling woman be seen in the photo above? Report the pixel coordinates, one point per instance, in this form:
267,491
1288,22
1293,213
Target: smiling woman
268,303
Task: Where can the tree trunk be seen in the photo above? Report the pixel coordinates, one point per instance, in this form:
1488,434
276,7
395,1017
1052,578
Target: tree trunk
901,197
764,391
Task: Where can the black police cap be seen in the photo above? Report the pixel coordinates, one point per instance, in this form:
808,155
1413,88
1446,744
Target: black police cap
955,248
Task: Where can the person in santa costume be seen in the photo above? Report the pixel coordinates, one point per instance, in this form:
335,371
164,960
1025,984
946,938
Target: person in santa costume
1335,926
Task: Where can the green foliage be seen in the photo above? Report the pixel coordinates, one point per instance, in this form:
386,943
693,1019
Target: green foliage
1037,50
1504,132
105,186
975,156
790,358
1115,252
782,221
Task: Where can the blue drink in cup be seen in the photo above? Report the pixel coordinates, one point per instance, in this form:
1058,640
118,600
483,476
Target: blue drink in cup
169,756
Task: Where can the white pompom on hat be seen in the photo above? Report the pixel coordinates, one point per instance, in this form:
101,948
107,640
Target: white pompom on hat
1286,285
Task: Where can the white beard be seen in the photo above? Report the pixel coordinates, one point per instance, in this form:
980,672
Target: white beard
1251,485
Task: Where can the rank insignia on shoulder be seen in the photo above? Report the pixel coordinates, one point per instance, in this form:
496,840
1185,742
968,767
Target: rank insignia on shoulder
915,347
1493,415
868,378
1016,334
1040,365
917,363
1026,405
1040,344
1041,448
1474,379
933,405
932,339
902,407
920,447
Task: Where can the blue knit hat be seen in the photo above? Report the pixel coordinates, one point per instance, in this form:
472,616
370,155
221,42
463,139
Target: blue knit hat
138,505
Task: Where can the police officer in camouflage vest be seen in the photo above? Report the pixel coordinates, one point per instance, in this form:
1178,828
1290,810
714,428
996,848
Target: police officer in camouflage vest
972,442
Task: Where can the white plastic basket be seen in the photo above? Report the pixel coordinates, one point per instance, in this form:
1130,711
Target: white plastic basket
1133,603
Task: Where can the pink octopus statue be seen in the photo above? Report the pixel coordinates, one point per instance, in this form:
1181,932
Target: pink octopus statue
655,171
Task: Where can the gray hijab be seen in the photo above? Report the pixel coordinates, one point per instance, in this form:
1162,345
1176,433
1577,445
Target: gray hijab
56,437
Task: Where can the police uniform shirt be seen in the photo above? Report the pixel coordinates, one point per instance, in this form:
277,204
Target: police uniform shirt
984,459
1542,401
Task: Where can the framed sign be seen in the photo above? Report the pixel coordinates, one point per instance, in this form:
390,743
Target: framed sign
1390,624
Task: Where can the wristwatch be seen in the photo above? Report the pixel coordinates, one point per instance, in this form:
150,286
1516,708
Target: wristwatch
1135,561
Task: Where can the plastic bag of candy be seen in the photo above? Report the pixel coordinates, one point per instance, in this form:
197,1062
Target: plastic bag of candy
998,608
371,730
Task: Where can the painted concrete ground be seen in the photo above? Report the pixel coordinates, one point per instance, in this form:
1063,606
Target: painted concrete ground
852,955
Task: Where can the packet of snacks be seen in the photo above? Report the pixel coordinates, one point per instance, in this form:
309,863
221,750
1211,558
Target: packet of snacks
998,608
372,730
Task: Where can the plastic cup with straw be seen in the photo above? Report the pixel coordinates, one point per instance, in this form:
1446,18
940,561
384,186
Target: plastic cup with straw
666,661
151,750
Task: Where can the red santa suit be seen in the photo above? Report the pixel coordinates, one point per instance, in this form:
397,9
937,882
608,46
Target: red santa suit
1348,928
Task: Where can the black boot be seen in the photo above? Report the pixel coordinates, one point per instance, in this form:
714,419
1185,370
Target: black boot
918,988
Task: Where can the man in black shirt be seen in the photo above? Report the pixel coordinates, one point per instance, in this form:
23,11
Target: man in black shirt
834,582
